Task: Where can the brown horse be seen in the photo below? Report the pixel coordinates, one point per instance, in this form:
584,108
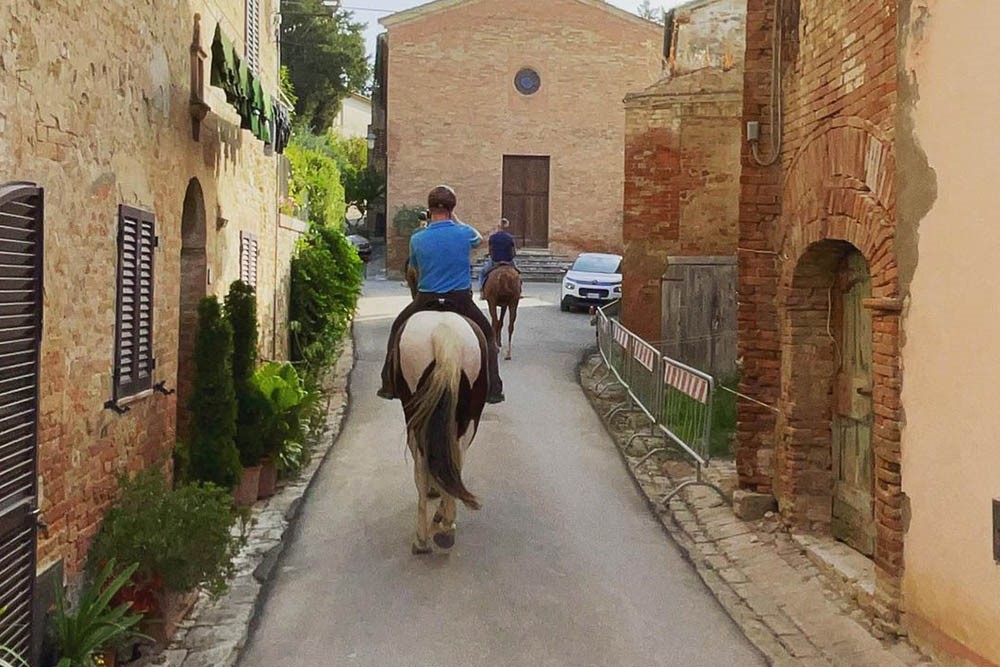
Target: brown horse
441,378
503,292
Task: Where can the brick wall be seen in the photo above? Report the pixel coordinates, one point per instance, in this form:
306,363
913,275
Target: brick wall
682,143
94,108
453,112
831,191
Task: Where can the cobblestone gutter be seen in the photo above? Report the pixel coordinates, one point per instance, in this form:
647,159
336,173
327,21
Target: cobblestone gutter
216,630
792,611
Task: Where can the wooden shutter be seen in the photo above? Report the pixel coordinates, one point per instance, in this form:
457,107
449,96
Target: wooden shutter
253,35
134,361
21,215
249,249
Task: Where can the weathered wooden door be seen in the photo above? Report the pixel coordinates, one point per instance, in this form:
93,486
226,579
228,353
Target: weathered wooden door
21,216
853,467
526,199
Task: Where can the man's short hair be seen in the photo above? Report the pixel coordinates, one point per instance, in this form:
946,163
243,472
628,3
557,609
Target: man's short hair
504,223
442,198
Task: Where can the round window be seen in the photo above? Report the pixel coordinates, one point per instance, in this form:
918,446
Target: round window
527,81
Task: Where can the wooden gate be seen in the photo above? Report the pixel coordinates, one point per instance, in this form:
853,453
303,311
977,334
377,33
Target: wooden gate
526,199
853,467
21,215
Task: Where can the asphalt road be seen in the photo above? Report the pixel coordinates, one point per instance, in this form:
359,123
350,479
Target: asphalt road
563,566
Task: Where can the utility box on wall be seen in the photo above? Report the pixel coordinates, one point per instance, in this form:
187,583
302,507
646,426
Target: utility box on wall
698,325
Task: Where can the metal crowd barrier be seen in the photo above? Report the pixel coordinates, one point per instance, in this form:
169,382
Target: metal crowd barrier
675,398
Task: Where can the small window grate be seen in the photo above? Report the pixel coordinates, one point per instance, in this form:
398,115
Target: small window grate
249,251
134,361
253,35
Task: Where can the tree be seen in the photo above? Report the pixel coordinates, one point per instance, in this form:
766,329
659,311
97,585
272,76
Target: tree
316,183
324,51
214,457
647,11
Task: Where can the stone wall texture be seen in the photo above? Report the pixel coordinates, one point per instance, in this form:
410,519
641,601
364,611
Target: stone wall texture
830,192
453,111
682,157
94,108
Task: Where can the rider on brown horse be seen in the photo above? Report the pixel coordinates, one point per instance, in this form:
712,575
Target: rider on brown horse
441,255
503,250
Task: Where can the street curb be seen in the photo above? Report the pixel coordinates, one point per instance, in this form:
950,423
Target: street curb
736,609
216,632
752,570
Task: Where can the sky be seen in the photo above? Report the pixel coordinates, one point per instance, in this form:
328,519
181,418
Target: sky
367,11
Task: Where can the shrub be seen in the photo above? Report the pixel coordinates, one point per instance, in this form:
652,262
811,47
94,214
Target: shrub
181,539
325,284
286,406
407,219
212,448
241,311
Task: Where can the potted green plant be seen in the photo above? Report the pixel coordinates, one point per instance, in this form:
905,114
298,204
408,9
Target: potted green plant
211,445
182,540
241,312
86,635
285,405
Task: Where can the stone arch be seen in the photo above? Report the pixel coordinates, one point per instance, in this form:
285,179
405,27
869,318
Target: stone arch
838,198
193,286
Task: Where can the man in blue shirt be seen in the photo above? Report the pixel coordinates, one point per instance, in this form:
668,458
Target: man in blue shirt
503,248
440,252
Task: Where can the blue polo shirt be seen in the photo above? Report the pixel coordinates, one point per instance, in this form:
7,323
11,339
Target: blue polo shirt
441,253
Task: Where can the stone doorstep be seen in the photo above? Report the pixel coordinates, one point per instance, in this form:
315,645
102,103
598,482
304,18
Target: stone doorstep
851,572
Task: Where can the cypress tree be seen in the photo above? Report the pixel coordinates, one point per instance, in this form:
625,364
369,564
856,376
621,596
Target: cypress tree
241,311
214,457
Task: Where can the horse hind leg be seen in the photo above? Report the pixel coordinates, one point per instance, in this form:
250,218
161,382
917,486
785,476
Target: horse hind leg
510,332
444,519
421,545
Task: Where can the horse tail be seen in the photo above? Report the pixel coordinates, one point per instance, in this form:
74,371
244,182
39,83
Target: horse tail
433,423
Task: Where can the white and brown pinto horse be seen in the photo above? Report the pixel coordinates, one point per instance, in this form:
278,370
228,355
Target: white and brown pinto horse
442,380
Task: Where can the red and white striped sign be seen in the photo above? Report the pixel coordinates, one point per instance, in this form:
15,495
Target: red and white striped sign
693,385
644,355
621,335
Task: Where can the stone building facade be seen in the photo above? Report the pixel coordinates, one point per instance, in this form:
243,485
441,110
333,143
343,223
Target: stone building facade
682,150
822,273
474,85
96,110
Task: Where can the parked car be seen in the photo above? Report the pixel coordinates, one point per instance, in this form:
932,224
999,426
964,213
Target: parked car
362,245
594,279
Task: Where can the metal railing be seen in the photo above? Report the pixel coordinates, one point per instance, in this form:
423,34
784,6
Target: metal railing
676,399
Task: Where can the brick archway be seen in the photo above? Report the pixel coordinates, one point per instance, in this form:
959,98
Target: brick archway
193,286
838,198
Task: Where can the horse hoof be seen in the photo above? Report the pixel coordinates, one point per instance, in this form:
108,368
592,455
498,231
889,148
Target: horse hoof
445,540
421,550
508,357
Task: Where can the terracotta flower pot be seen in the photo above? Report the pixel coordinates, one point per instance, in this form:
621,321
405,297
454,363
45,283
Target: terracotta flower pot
268,477
170,609
246,492
107,658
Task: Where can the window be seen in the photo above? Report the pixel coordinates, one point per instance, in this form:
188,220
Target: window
134,362
253,35
248,258
527,81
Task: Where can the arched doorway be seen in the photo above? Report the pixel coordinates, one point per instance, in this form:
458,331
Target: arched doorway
193,287
826,466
